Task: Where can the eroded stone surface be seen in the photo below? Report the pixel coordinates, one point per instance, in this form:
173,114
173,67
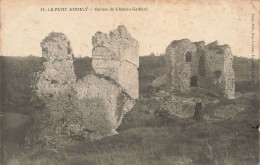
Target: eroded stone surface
53,86
90,108
179,71
117,56
103,104
198,65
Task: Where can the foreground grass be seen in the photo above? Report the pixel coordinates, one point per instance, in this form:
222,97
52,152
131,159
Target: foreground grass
155,146
145,138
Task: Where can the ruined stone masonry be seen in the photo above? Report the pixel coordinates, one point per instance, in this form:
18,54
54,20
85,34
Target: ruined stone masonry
90,108
196,65
103,104
117,56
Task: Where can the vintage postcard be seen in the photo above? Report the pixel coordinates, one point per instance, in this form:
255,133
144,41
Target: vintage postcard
142,82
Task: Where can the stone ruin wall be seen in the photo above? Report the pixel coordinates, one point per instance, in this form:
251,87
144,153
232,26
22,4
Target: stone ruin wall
178,71
117,56
210,65
104,103
54,84
229,74
90,108
104,60
220,58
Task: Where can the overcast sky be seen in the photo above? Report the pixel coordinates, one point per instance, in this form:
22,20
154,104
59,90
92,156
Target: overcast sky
24,26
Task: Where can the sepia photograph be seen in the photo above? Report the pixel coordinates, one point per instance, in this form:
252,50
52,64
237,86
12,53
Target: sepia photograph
120,82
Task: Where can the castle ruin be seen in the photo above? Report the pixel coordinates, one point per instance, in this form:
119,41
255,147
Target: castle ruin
72,110
117,56
196,65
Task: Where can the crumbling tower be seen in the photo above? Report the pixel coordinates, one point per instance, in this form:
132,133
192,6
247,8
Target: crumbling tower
117,56
196,65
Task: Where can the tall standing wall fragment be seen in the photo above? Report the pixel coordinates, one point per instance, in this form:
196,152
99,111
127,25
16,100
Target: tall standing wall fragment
53,86
178,70
117,56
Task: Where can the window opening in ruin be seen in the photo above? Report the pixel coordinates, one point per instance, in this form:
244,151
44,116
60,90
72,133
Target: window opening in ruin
202,64
54,82
194,81
188,57
217,73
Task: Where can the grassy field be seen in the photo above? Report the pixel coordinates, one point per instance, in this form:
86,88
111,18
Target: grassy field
145,136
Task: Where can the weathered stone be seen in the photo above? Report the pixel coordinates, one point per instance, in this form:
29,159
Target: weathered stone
178,70
91,108
103,104
54,87
54,84
56,47
117,56
196,65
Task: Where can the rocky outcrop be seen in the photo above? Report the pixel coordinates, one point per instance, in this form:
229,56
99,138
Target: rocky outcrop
196,65
90,108
117,56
